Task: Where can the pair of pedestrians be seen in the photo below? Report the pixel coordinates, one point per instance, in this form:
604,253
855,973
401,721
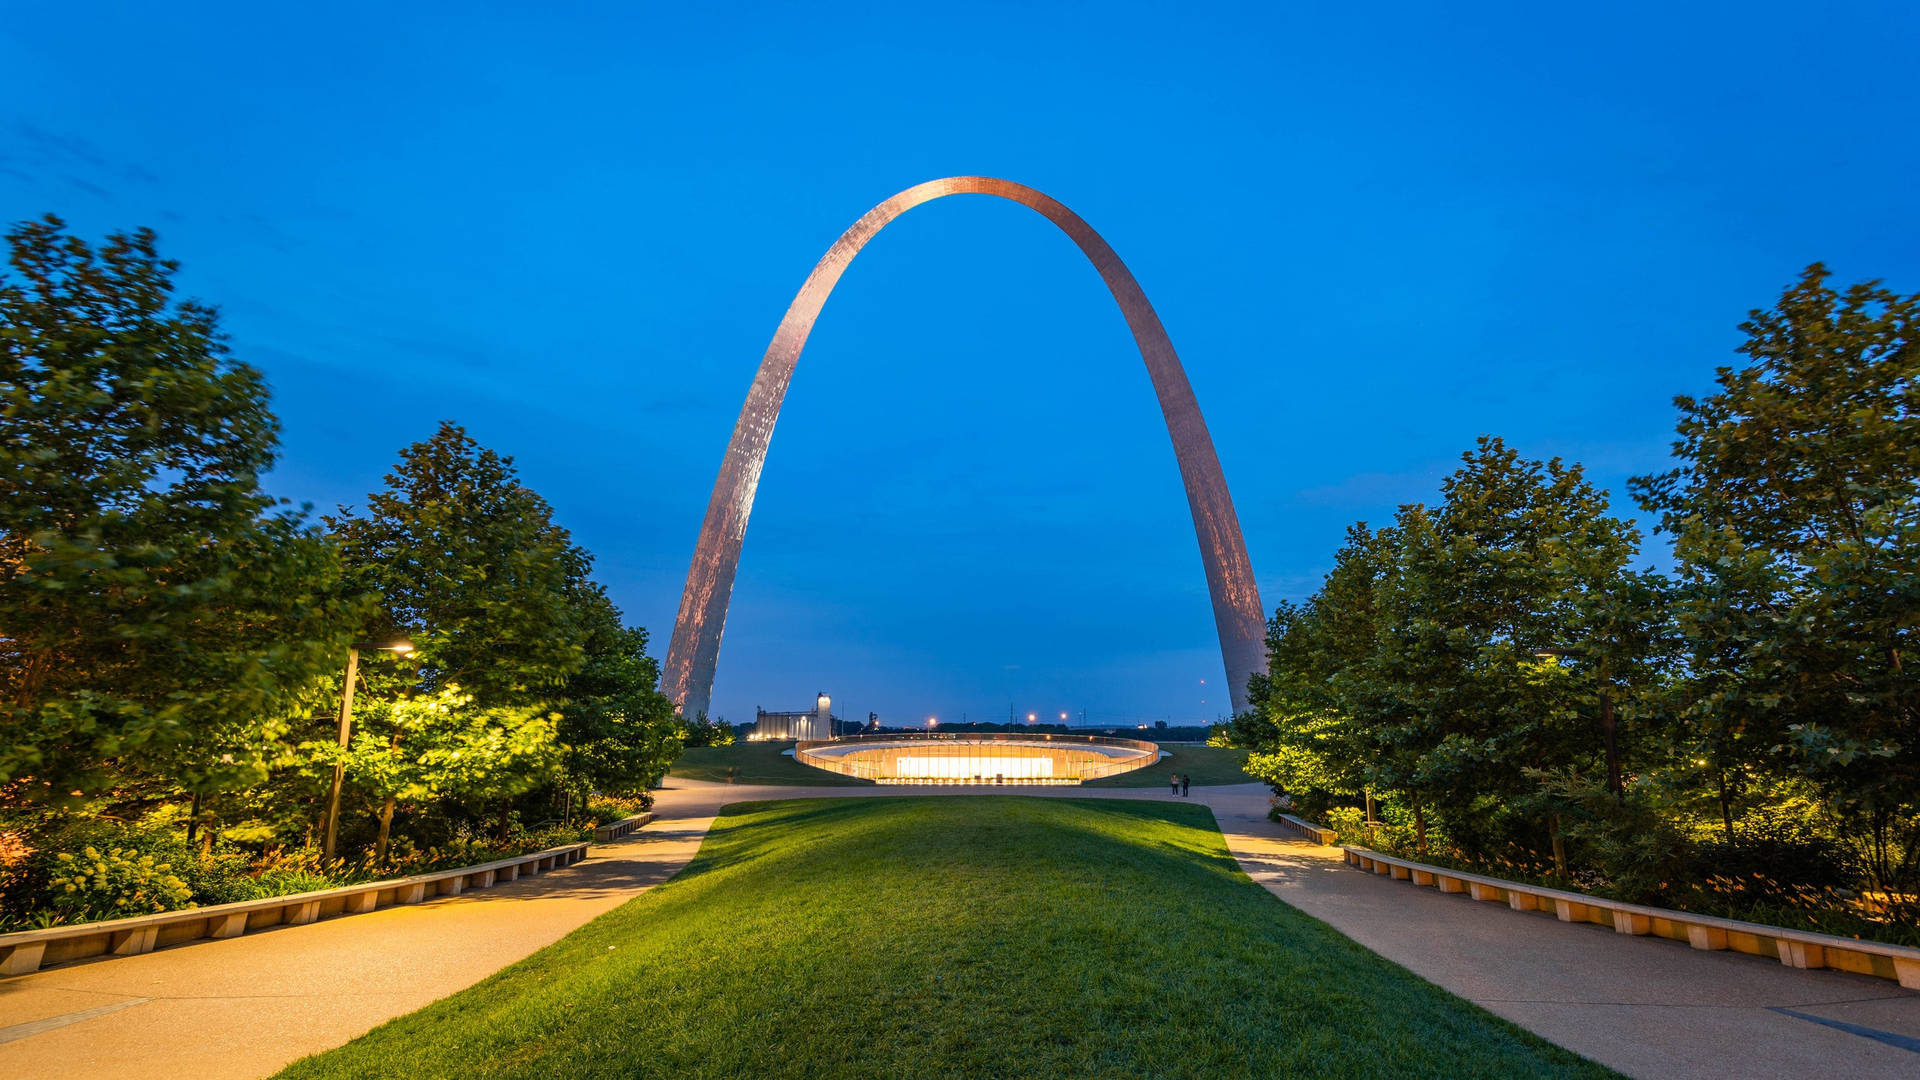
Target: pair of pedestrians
1178,784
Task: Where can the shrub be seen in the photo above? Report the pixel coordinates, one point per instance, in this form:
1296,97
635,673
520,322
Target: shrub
285,881
113,883
90,869
1629,839
29,894
1349,824
607,809
1774,860
222,876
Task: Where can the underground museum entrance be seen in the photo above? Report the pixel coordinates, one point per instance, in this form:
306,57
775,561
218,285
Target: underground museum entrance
1011,758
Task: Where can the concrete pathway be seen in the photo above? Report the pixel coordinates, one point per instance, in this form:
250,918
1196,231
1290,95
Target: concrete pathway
1646,1006
245,1007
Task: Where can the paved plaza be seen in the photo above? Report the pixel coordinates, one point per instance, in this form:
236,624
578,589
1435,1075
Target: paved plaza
244,1007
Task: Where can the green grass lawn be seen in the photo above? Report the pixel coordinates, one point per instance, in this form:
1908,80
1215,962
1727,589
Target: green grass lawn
758,763
995,936
1207,765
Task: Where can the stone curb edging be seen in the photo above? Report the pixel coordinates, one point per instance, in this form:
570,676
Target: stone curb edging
27,951
1794,948
608,833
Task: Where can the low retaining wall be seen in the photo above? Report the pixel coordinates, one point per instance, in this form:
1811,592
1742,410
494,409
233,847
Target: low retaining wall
1316,833
28,951
1794,948
607,834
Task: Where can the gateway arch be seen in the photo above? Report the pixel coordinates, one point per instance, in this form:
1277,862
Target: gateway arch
1237,615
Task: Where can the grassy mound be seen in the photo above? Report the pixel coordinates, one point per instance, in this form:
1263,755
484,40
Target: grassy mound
1206,764
756,763
925,937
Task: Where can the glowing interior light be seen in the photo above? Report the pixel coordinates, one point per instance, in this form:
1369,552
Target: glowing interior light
987,768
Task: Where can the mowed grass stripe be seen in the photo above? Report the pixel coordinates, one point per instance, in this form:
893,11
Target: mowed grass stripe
993,936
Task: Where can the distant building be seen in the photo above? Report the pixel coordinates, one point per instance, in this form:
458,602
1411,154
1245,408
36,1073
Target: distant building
816,725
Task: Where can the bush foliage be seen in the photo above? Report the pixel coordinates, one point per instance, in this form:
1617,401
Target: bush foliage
1503,687
175,637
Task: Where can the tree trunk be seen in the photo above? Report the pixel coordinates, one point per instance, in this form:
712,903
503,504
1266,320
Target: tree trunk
506,810
193,819
1419,822
1726,807
207,827
33,674
386,828
1610,737
1559,846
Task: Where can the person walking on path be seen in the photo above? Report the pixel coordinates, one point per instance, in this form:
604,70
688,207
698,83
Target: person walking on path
1186,781
1173,784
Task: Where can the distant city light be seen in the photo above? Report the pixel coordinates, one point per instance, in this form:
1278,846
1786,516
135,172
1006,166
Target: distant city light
1030,718
1063,716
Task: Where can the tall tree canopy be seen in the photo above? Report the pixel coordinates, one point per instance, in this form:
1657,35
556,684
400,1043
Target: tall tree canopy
620,731
1302,724
522,677
470,566
1413,671
1795,512
157,612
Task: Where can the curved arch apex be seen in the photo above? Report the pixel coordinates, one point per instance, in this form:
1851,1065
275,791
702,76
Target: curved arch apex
1238,617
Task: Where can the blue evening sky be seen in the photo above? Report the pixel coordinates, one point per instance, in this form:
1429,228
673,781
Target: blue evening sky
1374,232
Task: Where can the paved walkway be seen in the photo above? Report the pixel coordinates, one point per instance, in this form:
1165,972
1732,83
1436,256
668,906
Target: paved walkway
244,1007
1646,1006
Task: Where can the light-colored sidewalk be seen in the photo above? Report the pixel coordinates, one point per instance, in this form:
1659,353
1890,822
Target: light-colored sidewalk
244,1007
1646,1006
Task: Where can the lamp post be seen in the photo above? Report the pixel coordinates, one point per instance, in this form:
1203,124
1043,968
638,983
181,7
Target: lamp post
1609,730
346,727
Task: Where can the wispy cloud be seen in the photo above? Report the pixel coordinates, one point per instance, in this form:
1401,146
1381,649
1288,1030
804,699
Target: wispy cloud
94,190
40,150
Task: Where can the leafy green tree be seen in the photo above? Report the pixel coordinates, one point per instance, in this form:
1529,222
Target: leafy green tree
701,731
470,566
1520,556
444,747
158,611
1306,741
496,598
619,731
1795,512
